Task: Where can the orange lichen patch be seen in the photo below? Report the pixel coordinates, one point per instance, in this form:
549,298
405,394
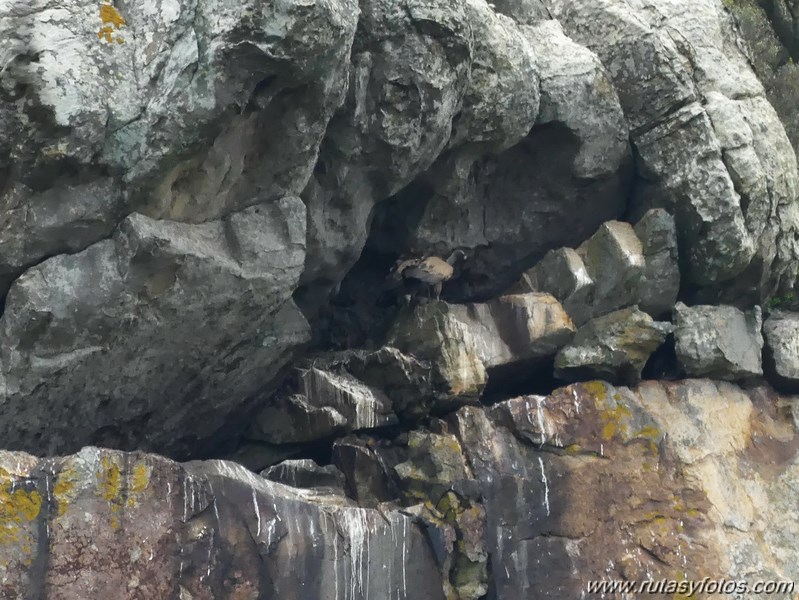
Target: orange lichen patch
112,22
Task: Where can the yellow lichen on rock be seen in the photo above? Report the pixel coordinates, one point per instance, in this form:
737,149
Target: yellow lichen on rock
64,489
19,507
112,22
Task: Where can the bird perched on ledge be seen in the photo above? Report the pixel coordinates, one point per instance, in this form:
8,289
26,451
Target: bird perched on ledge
431,271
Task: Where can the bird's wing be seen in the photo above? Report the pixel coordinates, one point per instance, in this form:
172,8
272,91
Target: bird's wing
430,271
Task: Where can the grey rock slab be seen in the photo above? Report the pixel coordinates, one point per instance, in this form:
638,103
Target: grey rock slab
614,347
322,403
516,328
201,530
660,284
154,337
183,111
722,342
402,377
614,259
561,273
781,336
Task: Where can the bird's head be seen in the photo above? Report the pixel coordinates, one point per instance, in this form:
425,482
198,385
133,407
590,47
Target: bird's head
456,256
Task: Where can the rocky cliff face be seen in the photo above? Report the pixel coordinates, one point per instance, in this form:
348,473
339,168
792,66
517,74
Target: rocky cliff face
200,201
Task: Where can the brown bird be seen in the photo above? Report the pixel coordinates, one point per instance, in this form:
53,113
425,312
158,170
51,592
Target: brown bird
432,271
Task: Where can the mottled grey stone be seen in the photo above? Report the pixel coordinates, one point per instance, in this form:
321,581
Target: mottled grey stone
155,337
781,333
561,273
614,347
321,403
306,473
614,260
660,284
719,341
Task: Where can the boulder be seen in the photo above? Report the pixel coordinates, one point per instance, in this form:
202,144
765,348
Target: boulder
561,273
614,347
614,259
660,283
404,379
155,338
515,330
323,403
433,332
159,108
781,336
370,481
719,341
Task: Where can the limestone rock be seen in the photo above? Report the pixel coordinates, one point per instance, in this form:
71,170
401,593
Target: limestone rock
203,530
781,333
614,347
154,337
324,403
369,478
719,341
684,81
161,108
434,332
404,379
511,206
561,273
515,330
614,259
305,473
597,481
660,283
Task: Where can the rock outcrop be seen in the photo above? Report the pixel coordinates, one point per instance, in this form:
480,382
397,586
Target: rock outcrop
533,497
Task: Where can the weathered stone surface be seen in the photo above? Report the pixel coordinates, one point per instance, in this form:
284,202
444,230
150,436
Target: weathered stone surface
510,207
561,273
614,259
370,479
404,379
595,482
512,330
139,526
737,233
154,337
435,333
614,347
322,403
305,473
781,336
186,111
719,341
408,74
772,58
660,283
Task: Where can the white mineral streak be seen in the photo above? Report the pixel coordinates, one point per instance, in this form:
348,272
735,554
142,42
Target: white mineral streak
257,514
546,484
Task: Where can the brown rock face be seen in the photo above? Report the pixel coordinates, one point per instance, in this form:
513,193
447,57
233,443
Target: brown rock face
532,498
